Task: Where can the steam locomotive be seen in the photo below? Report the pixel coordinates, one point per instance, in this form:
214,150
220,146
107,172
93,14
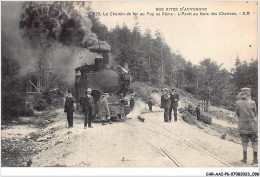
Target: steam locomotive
102,78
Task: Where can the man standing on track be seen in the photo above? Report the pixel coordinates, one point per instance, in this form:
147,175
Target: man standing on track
88,105
69,108
174,104
247,122
165,104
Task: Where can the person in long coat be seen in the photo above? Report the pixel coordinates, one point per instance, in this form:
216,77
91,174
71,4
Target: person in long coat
198,112
104,104
87,103
69,108
150,104
247,122
165,104
174,104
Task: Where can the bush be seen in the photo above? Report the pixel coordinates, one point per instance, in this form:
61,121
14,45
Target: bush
190,88
53,97
40,103
13,103
29,111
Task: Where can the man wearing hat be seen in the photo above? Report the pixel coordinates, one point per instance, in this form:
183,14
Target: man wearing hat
150,104
247,122
88,105
104,104
165,104
174,104
69,108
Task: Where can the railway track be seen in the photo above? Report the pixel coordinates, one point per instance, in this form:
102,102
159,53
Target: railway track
154,135
194,145
151,143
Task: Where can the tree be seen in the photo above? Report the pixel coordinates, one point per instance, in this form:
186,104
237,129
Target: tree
13,95
246,75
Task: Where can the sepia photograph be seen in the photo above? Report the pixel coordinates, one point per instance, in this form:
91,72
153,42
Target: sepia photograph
130,84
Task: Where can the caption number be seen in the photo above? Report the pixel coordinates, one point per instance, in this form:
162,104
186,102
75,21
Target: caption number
96,13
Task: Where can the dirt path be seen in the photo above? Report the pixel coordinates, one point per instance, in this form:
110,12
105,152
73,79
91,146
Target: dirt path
102,146
128,144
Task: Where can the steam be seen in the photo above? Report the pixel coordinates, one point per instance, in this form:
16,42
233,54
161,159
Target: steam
139,107
41,34
156,99
68,58
19,49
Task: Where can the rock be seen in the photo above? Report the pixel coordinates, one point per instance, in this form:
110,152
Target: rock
223,136
190,119
206,119
58,142
43,139
141,117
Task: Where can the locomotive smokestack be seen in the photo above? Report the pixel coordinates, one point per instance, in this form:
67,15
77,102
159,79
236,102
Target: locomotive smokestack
98,44
106,58
103,48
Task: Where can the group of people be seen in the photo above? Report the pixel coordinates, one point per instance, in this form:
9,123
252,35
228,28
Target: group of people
245,110
169,102
87,103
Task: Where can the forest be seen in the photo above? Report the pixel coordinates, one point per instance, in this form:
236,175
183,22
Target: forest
150,60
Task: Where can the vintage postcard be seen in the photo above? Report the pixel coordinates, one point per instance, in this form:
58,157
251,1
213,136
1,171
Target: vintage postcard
130,84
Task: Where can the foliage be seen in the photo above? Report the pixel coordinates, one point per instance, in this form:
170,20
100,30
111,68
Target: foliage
246,75
53,97
151,60
147,56
40,103
13,96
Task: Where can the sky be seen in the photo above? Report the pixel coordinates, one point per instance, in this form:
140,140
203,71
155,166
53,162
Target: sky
219,37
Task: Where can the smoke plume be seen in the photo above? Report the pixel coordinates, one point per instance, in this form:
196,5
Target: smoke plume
20,49
40,34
